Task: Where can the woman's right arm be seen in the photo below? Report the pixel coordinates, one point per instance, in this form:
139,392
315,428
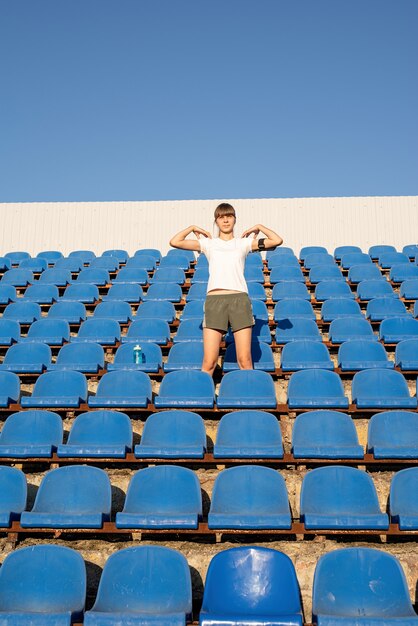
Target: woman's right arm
179,240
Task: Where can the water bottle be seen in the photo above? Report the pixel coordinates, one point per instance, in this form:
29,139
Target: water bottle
137,354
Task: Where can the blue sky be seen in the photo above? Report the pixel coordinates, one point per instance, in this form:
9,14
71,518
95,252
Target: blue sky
180,99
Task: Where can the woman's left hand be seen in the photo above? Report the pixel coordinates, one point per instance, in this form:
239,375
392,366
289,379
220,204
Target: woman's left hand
255,230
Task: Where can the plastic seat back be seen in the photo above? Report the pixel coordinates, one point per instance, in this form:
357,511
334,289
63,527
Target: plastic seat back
9,388
98,330
406,354
345,588
23,312
108,263
247,389
261,355
52,331
121,255
378,388
189,330
7,294
293,308
57,277
355,258
186,388
379,309
325,434
403,271
395,329
341,250
349,328
256,291
71,312
169,275
251,583
327,289
16,257
123,388
148,329
114,309
318,258
316,388
141,262
85,255
27,358
376,251
293,328
82,357
63,389
197,291
157,310
99,434
128,292
409,289
36,265
364,271
31,434
179,260
403,499
290,290
192,310
93,276
361,355
320,273
85,293
375,288
305,354
339,307
172,434
74,264
165,291
393,434
151,359
9,331
13,494
153,252
50,255
248,434
132,275
17,277
42,585
186,355
286,273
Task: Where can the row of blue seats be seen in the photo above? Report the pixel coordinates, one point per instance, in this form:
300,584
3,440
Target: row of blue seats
246,497
179,434
45,585
88,357
312,388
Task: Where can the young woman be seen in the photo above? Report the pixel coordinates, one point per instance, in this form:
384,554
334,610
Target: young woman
227,302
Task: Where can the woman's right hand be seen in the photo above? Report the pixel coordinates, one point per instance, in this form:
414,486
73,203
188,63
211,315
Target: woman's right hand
197,231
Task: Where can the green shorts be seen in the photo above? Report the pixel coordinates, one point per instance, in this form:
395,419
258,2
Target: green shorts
232,309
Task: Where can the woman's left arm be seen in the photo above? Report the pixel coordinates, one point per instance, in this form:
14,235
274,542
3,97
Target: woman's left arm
272,239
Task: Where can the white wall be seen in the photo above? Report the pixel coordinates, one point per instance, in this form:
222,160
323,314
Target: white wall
98,226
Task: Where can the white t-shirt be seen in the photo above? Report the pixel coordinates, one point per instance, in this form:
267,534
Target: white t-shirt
226,262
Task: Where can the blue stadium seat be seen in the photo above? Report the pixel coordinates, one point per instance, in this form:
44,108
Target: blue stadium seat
186,355
57,389
132,275
325,434
327,289
286,273
411,250
164,291
9,332
97,330
123,388
13,494
189,254
381,388
36,265
355,258
179,260
164,596
186,388
54,332
75,496
388,259
93,276
22,312
409,289
339,497
289,307
114,309
197,291
121,255
248,434
261,354
42,294
247,389
169,275
406,354
153,252
393,435
157,310
319,273
306,250
375,288
31,433
233,594
379,309
201,275
193,310
148,330
17,278
85,255
403,499
305,354
85,357
98,434
316,388
297,328
318,258
5,264
7,294
142,262
349,328
16,257
403,271
260,311
346,592
108,263
201,261
376,251
152,360
9,389
282,260
57,277
341,250
42,585
172,434
249,497
256,292
71,312
27,358
396,329
164,496
360,355
254,259
50,255
189,330
128,292
282,250
335,308
260,331
254,274
292,290
85,293
363,271
74,264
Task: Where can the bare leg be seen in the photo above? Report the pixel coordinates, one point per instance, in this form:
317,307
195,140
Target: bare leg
243,346
211,344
